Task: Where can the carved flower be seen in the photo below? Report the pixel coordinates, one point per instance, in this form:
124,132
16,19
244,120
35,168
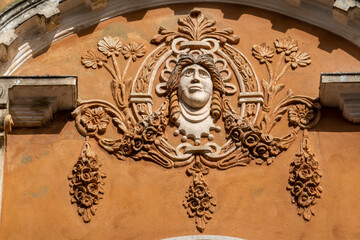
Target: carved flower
137,143
95,119
200,211
286,45
316,177
93,188
110,46
93,59
199,191
79,192
194,204
263,53
305,172
78,166
310,188
299,159
197,168
149,134
230,122
298,59
94,164
300,114
87,200
133,50
261,150
125,148
140,128
236,134
86,175
314,164
297,188
304,199
205,203
250,139
275,147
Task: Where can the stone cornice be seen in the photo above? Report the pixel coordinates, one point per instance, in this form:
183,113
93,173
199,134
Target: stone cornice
31,102
342,90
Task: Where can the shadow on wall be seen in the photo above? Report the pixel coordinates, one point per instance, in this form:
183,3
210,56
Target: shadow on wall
55,126
332,121
328,41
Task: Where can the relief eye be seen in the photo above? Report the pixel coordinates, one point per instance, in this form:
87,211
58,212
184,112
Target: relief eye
203,74
188,72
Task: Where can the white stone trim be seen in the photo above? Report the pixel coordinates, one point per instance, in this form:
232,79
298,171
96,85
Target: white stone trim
342,90
26,91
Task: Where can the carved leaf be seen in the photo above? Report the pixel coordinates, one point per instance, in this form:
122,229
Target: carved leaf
265,85
120,124
196,27
279,88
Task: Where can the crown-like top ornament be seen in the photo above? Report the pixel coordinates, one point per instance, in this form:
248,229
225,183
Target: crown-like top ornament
196,27
210,94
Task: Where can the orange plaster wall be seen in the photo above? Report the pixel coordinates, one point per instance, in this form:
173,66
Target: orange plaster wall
143,200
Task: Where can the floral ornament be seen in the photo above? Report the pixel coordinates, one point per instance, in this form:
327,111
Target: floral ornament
142,137
263,53
95,119
93,60
286,45
133,50
261,147
87,182
298,59
110,46
300,115
304,181
198,199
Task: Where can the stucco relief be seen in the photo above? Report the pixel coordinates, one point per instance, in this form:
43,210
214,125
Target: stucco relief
202,89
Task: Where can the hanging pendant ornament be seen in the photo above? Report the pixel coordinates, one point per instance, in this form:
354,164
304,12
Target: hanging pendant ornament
198,82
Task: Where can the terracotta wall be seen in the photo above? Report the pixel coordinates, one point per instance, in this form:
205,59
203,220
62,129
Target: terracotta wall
142,200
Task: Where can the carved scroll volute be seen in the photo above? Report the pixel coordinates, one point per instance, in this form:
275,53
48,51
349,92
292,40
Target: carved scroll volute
200,47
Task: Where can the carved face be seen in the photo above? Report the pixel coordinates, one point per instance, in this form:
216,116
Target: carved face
195,87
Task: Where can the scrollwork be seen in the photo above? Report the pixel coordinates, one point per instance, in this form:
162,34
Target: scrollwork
198,47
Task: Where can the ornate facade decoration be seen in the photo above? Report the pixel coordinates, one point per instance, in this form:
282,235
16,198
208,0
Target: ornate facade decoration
87,182
198,199
304,180
204,89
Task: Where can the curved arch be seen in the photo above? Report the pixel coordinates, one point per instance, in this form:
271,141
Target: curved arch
204,237
61,18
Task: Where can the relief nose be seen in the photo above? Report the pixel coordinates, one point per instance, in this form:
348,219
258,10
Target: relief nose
195,78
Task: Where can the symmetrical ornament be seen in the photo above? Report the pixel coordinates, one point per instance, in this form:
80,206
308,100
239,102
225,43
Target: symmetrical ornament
198,199
196,77
87,182
304,180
